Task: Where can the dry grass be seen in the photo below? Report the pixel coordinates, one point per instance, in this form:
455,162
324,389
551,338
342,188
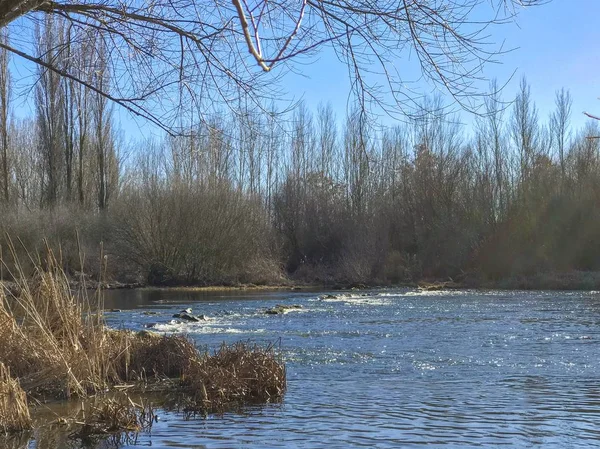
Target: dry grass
14,413
55,344
58,346
115,416
146,355
235,375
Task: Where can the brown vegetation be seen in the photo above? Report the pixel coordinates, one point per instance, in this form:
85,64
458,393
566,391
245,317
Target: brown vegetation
57,346
246,199
146,355
115,416
233,376
14,412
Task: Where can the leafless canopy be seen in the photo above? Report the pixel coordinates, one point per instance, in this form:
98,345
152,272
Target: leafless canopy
167,56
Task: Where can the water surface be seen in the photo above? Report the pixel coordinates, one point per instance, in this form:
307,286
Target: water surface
396,368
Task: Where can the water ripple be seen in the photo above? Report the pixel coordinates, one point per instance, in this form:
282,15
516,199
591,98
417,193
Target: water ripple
448,369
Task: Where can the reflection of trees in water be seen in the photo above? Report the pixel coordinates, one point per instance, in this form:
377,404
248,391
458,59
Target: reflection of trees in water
59,425
57,436
18,441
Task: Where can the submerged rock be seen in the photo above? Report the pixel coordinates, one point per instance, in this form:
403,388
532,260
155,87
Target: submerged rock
189,317
281,309
148,334
438,286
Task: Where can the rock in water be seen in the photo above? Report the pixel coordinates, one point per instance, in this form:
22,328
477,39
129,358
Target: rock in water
189,317
328,297
282,310
273,311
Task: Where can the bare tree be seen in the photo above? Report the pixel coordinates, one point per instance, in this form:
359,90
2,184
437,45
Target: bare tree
4,105
172,56
492,130
103,132
525,130
49,100
275,141
68,121
327,135
82,102
26,165
356,162
559,122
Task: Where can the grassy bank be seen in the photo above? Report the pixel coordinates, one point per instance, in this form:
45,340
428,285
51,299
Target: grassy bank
230,288
56,346
572,280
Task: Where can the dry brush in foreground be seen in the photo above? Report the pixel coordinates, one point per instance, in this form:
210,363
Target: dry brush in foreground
57,346
14,413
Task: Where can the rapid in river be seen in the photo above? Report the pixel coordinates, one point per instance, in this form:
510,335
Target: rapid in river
394,368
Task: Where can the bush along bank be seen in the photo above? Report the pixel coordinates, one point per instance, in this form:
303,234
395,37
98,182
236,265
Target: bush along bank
56,346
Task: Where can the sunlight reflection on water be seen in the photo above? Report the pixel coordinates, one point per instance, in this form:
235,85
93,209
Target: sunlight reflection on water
398,369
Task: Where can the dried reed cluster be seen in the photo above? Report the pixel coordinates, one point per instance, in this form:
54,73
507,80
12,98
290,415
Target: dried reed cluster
113,415
235,375
55,345
14,413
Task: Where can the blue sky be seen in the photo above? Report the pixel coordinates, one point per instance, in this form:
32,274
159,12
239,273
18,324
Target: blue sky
556,45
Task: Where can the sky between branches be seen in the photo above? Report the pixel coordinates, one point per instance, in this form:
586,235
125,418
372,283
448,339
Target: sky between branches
555,45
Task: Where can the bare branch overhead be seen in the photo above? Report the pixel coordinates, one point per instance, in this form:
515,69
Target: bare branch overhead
168,57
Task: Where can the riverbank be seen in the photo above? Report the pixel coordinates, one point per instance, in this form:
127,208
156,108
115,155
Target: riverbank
571,280
56,346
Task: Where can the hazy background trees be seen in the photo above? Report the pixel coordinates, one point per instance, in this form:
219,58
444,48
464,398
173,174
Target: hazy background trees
248,196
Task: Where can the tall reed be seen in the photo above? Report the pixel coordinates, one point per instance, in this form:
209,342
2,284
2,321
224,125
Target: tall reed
14,412
55,344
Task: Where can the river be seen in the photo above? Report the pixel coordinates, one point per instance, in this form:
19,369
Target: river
397,368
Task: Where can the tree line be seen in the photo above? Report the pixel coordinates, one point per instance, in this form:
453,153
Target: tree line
250,196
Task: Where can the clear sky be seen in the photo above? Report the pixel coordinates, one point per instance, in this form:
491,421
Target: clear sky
556,45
